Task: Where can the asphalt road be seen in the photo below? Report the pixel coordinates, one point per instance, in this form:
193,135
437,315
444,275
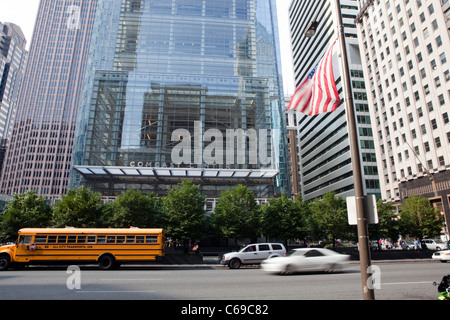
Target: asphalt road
398,281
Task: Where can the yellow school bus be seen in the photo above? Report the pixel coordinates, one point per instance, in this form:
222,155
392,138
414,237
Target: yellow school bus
107,247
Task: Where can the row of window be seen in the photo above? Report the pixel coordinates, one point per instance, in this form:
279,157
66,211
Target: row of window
93,239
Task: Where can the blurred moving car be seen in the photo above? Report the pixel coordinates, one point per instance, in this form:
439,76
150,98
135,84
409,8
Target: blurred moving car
307,259
442,256
253,254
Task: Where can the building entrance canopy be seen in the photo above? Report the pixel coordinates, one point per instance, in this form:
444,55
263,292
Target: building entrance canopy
96,172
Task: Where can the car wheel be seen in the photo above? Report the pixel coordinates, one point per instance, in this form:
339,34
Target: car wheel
289,269
443,261
235,263
331,268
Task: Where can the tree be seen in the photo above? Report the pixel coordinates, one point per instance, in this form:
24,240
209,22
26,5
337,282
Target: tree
237,214
329,216
184,212
80,208
24,210
284,218
419,219
388,223
136,209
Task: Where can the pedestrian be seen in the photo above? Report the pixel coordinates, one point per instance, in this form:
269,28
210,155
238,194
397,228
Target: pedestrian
195,249
416,244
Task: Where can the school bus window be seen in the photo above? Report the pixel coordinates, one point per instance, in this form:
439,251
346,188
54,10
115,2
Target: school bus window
140,239
120,239
81,239
51,239
130,239
111,239
101,239
40,239
151,239
71,239
62,239
24,239
91,239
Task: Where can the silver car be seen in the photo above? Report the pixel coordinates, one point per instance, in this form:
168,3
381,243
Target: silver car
307,259
434,244
254,253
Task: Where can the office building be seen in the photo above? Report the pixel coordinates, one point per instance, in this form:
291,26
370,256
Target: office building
40,149
322,141
405,50
13,59
183,89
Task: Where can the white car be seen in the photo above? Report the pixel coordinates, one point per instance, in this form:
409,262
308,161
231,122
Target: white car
254,253
307,259
442,256
434,244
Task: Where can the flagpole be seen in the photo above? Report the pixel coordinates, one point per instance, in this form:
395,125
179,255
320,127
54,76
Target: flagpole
363,238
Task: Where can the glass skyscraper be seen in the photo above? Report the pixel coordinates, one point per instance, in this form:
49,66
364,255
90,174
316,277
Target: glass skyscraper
183,89
39,154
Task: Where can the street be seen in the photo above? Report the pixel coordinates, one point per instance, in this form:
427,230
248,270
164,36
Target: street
398,281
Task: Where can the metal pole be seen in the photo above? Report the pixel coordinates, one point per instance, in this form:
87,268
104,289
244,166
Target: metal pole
363,238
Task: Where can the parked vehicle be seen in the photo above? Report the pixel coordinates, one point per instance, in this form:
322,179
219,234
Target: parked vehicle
307,259
254,253
434,244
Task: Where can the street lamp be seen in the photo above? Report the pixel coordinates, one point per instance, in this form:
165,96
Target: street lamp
363,237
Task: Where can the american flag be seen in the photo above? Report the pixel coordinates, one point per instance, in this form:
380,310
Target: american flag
317,93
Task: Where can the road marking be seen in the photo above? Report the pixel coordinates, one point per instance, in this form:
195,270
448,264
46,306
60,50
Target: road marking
130,279
402,283
114,291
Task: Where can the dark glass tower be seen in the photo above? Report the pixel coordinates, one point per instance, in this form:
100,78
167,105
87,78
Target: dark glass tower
183,89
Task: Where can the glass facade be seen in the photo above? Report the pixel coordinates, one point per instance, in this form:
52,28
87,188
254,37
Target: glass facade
183,84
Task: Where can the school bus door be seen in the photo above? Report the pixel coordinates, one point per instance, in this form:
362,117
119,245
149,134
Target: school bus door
23,248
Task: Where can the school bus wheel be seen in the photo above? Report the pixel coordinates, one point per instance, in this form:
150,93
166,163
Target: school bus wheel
5,260
106,261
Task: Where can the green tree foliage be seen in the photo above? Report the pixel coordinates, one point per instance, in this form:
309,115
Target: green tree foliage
135,209
388,223
237,214
419,218
24,210
285,218
330,218
184,212
80,208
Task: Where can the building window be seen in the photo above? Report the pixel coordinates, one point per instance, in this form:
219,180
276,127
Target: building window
445,117
437,141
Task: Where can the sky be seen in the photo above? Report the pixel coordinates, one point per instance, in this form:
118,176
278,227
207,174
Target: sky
23,13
